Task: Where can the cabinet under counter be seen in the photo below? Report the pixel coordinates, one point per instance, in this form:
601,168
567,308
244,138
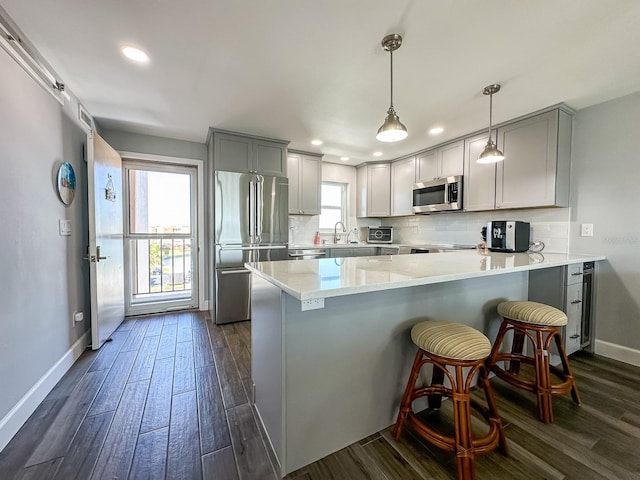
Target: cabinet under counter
331,347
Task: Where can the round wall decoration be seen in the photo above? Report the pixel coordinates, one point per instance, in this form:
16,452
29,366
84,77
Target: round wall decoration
66,183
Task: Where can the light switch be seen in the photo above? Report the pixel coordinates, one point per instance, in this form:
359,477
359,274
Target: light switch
65,227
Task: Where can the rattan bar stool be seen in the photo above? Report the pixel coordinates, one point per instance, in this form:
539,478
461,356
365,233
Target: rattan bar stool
541,324
464,349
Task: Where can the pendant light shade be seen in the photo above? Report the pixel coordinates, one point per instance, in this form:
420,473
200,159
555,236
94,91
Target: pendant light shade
491,154
392,130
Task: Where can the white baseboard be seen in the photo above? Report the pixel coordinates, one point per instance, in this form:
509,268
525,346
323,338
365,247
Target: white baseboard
22,410
618,352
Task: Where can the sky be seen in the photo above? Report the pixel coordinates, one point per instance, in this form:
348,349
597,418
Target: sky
169,199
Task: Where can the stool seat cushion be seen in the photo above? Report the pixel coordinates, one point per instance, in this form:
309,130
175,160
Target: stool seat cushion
533,312
451,340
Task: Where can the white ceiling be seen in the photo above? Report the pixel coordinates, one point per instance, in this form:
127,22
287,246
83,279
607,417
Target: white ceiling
304,69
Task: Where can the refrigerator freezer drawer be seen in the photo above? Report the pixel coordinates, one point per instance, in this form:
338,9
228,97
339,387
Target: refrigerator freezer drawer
233,295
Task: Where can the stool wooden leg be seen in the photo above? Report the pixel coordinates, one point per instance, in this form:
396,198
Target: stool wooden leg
405,405
543,382
493,409
516,347
437,378
495,350
567,370
465,457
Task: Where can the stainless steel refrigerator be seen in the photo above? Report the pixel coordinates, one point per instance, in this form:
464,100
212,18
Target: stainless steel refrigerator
251,220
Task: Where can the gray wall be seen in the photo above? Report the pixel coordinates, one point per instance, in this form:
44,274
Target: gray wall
605,191
133,142
44,279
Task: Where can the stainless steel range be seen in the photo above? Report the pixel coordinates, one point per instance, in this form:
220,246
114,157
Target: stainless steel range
434,248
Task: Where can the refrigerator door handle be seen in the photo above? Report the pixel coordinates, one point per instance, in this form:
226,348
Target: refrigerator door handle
252,211
259,207
244,271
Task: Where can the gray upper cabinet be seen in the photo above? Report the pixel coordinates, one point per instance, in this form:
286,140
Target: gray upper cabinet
231,153
445,161
374,190
427,165
361,188
305,176
479,181
535,171
246,154
378,190
403,176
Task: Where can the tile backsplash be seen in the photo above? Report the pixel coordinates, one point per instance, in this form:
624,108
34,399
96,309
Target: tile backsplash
303,228
549,225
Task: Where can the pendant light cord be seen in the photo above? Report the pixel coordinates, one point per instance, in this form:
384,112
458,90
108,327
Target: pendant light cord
490,114
391,54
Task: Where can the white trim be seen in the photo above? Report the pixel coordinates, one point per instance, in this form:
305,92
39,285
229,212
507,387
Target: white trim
30,65
618,352
22,410
199,164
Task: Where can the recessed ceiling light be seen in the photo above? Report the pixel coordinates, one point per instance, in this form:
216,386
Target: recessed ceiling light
135,54
436,130
316,142
377,154
344,159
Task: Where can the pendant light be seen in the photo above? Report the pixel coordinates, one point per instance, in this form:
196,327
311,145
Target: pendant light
392,130
491,154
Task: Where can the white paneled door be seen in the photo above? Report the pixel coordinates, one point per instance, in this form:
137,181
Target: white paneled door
105,252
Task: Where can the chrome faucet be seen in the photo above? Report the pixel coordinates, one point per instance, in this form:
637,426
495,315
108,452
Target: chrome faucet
336,237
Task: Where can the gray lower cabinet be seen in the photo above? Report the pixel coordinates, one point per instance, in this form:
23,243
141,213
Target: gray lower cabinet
562,288
353,252
403,176
234,152
373,190
305,177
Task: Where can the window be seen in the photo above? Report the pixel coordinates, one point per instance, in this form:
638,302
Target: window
333,204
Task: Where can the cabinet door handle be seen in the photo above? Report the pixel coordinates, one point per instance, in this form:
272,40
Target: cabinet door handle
576,274
574,336
576,301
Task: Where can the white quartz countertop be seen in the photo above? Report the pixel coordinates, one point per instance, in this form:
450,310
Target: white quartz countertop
333,277
308,246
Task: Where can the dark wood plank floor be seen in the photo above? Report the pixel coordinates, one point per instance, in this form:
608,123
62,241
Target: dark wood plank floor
168,398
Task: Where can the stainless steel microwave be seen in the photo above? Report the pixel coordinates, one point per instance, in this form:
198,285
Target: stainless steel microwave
439,195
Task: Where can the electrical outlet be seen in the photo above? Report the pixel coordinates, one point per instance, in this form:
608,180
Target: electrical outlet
312,304
76,317
586,230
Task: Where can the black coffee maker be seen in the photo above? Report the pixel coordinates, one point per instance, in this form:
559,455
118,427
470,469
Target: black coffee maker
508,236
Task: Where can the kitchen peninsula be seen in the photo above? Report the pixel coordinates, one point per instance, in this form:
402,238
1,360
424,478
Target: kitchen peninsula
331,350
